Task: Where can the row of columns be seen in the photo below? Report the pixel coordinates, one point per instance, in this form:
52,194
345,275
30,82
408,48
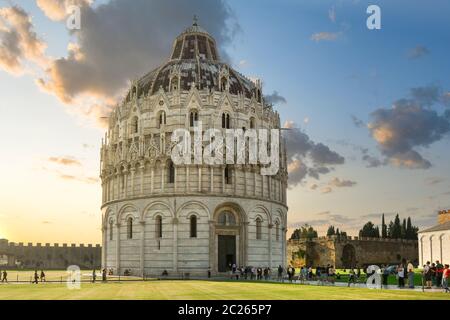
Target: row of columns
243,239
116,186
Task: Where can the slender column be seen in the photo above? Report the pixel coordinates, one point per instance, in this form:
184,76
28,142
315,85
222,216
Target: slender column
235,177
222,168
269,186
163,175
212,179
212,247
270,228
118,248
152,184
142,179
254,183
245,180
283,251
142,256
246,243
125,181
262,185
199,179
175,179
133,172
105,245
188,188
175,244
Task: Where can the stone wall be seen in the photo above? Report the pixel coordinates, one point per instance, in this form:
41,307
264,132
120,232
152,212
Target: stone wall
350,251
48,256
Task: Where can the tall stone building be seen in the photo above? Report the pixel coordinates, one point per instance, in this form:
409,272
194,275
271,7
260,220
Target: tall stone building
189,218
434,242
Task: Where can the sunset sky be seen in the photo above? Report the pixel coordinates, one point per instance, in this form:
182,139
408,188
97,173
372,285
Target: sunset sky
371,107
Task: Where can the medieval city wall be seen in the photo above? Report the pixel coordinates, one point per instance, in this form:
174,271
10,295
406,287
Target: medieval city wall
49,256
344,252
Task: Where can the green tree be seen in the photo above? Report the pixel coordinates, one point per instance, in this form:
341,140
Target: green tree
369,231
395,228
384,233
331,231
304,232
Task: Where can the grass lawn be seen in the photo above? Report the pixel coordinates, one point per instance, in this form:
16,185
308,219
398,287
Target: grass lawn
195,290
392,280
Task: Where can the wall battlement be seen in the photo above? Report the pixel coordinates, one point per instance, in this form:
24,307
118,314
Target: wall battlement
345,252
50,256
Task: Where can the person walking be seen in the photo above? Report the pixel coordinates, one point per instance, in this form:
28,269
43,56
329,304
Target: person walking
104,275
351,277
42,276
445,277
280,273
439,271
94,276
410,270
36,277
5,276
401,275
427,275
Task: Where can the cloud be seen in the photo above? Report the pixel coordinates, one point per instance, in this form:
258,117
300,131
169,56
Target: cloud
409,125
106,55
358,122
18,41
431,181
65,161
332,14
275,98
325,36
373,162
57,9
338,183
418,52
88,180
326,190
307,158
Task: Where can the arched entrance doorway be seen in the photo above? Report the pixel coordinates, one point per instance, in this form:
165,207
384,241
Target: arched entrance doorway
228,234
348,256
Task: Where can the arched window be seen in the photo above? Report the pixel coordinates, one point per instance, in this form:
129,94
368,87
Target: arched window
193,119
135,125
223,84
226,218
174,84
162,118
130,228
277,231
226,122
228,175
193,227
111,230
258,228
170,172
158,227
252,123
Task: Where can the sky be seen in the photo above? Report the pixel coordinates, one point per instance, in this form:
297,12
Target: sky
369,109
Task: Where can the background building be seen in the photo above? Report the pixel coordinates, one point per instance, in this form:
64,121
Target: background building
434,242
346,252
189,218
56,256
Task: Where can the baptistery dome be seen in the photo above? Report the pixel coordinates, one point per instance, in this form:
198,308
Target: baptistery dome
158,216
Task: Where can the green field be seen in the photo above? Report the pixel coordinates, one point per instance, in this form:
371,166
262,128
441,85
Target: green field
196,289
